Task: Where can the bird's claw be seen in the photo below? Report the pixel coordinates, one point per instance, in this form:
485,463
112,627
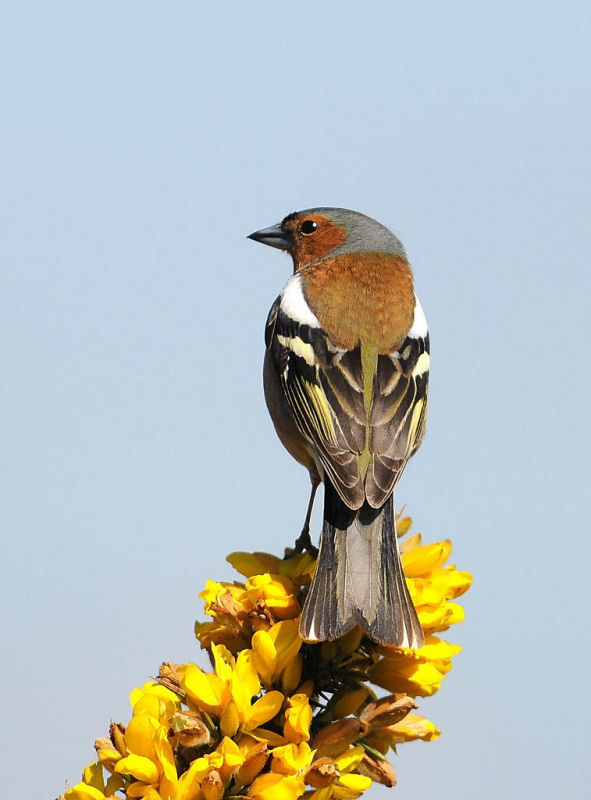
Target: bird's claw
304,542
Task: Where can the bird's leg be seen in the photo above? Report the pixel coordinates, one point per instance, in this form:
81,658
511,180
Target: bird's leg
304,542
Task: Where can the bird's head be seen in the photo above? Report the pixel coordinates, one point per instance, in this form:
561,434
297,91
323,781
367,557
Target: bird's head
318,233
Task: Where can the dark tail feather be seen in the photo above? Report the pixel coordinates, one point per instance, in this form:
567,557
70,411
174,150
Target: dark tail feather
359,578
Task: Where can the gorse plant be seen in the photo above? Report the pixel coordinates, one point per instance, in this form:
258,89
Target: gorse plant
278,718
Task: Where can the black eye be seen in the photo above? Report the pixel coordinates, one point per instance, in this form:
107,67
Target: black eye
308,226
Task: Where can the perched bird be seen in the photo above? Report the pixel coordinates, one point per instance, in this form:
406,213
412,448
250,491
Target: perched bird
345,376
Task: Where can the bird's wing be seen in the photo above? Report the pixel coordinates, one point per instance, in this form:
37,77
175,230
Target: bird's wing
397,416
363,413
323,385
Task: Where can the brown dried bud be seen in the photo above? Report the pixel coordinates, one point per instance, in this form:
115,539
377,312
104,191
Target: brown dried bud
322,773
102,742
170,677
213,786
378,769
107,754
189,730
229,606
387,710
117,736
344,731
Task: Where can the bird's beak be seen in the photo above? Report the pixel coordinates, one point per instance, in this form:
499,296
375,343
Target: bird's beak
274,236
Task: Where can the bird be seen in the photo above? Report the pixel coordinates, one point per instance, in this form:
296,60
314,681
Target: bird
345,377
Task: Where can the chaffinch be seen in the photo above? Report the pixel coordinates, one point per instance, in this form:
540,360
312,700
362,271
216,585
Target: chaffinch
345,376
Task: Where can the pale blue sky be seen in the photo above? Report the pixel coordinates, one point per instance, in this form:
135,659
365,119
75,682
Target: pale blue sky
141,143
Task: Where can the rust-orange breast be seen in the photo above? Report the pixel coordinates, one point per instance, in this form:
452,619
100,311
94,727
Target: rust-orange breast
362,297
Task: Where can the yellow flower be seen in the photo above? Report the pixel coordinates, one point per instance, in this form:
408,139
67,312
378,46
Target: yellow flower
413,726
155,700
299,567
340,780
298,717
150,759
255,757
93,785
274,593
434,586
249,564
82,791
209,775
418,673
292,759
206,735
275,649
229,692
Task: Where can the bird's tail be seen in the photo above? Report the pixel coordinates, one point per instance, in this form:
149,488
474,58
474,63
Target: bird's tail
359,578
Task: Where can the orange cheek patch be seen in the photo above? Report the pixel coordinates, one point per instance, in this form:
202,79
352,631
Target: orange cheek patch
319,244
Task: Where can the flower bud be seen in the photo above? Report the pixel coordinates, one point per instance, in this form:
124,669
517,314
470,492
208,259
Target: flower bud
213,786
323,772
387,710
117,736
378,769
107,754
170,677
187,729
342,732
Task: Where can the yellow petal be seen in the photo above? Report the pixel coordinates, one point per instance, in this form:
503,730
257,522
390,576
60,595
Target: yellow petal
189,784
264,656
139,736
298,718
413,726
264,709
349,702
349,787
231,758
292,674
93,774
230,720
255,760
269,737
207,691
436,648
137,789
412,676
459,582
245,681
114,783
249,564
321,794
298,566
410,542
348,760
271,786
82,791
292,759
165,754
287,640
142,769
223,661
456,613
425,559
